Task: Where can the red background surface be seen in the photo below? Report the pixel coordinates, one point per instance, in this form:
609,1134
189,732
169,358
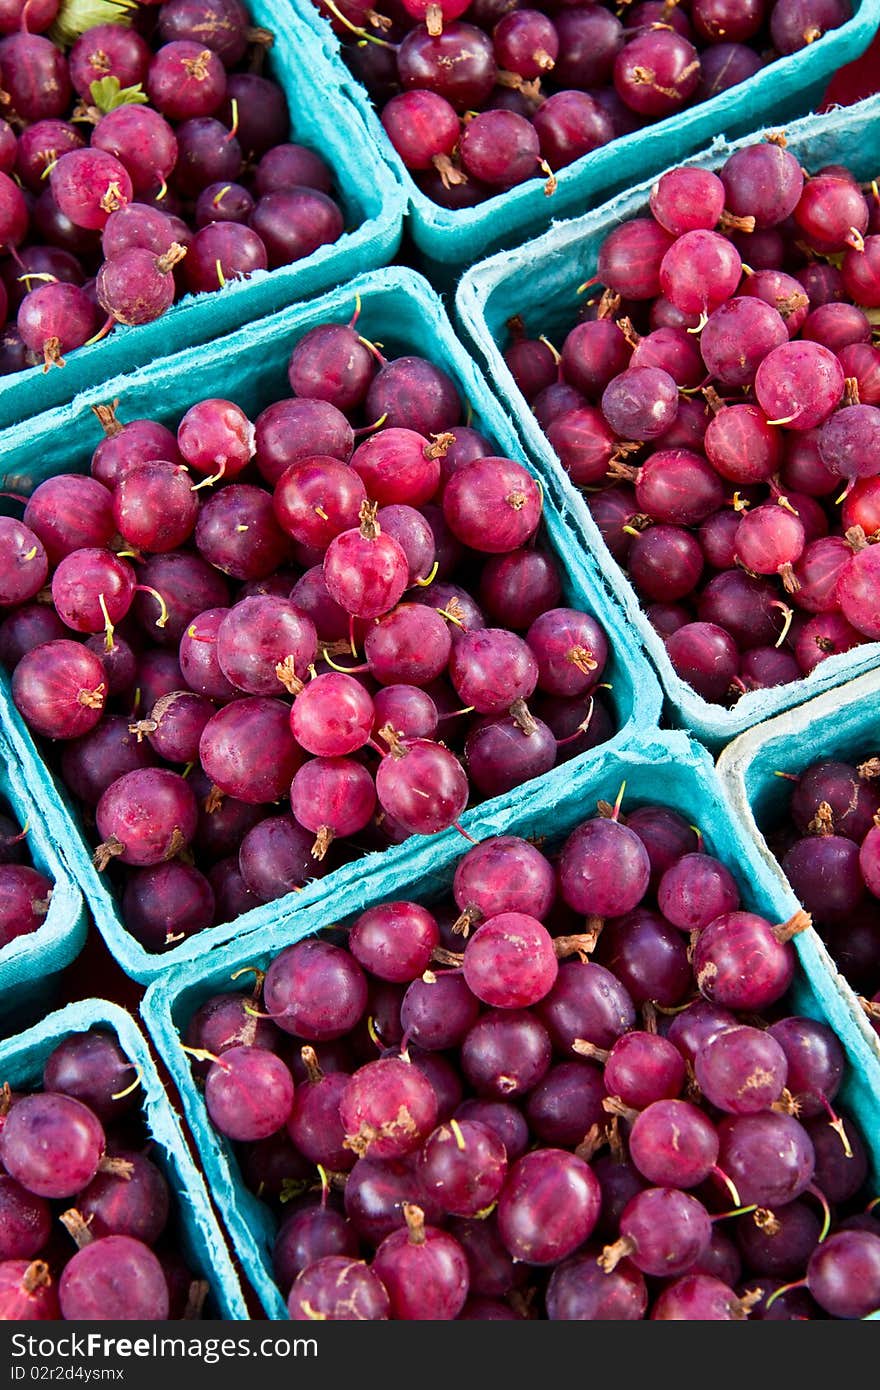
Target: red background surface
857,80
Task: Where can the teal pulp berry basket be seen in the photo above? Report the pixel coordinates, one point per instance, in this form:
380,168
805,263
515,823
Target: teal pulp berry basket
30,965
193,1224
841,723
539,282
671,770
451,240
323,118
250,367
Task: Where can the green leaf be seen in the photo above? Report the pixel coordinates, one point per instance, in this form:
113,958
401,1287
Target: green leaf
107,94
74,17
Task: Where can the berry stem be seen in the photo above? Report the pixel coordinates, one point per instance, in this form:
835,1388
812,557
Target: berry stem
106,851
414,1217
323,840
163,607
258,974
201,1054
195,1299
579,944
820,1197
211,480
170,259
784,1288
734,1211
430,577
581,728
523,718
310,1062
456,825
108,626
36,1276
101,333
795,924
355,28
120,1095
15,839
444,957
116,1167
612,1254
467,919
613,1105
595,1139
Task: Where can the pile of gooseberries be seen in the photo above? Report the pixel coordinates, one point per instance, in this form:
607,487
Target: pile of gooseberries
479,96
718,401
255,648
573,1089
141,160
827,838
89,1224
